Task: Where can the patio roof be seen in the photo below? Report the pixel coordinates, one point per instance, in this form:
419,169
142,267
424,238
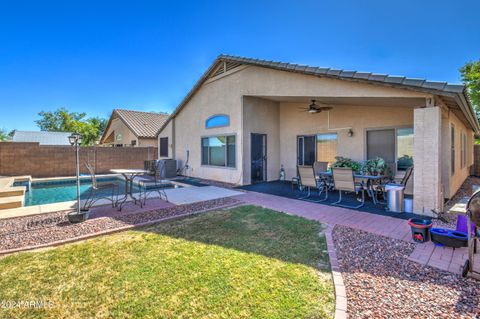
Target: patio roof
454,94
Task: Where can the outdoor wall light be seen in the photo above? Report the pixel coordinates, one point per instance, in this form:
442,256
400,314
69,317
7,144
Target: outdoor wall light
350,132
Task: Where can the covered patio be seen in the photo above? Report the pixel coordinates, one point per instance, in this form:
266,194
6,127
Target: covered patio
398,126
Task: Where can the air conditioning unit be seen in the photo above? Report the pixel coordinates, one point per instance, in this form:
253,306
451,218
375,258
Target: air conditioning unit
167,168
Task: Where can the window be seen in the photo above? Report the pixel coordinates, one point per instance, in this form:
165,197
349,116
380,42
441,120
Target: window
326,147
219,151
319,147
163,146
464,150
404,148
217,121
452,154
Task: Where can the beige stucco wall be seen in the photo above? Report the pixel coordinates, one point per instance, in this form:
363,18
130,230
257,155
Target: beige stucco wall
119,127
167,132
225,96
461,172
342,117
263,117
144,142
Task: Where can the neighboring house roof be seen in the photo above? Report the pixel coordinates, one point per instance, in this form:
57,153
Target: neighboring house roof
42,137
142,124
455,94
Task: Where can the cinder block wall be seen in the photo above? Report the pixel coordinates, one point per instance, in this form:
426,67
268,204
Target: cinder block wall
51,161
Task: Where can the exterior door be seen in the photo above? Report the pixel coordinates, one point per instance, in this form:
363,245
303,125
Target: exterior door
306,150
258,158
381,143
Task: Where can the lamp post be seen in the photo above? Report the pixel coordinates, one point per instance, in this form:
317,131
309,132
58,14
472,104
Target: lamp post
75,140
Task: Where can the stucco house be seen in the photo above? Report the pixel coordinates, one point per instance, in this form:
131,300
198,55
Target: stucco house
132,128
246,118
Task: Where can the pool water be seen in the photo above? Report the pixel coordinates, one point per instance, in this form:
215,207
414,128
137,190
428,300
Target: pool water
47,192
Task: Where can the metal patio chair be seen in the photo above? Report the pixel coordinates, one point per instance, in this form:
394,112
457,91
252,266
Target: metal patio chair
154,183
100,190
309,180
322,167
344,181
380,188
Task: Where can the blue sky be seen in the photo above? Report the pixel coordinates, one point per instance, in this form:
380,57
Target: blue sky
93,56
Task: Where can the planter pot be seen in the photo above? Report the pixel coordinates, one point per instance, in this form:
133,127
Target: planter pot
75,217
448,237
420,229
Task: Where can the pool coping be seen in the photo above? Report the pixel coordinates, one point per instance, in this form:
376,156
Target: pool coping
63,206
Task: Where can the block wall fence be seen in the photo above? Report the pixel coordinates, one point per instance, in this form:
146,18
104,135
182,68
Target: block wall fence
52,161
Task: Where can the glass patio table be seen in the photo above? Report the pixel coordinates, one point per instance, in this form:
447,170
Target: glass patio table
129,175
369,184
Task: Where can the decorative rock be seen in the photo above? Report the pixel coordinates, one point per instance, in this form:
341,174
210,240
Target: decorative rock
381,282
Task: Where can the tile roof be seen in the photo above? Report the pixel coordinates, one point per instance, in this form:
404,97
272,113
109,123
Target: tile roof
142,124
456,91
42,137
348,74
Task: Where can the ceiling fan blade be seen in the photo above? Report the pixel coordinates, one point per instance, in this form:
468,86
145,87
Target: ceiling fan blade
325,108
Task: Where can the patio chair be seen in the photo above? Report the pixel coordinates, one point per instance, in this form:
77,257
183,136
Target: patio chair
318,168
344,181
309,180
100,190
154,184
380,188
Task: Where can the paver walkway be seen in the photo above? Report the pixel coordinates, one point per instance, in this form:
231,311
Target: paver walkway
427,253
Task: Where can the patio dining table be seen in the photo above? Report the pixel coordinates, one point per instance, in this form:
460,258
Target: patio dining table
369,185
129,175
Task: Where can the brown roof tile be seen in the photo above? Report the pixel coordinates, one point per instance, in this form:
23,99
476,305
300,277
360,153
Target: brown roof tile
142,124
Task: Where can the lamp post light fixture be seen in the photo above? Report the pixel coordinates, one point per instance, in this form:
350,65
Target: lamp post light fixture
75,140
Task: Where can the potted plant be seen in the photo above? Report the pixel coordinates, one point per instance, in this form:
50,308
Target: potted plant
376,167
347,162
78,217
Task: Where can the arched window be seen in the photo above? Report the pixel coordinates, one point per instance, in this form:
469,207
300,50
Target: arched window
217,121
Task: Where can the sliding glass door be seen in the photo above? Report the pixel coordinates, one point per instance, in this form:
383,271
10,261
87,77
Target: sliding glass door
306,149
394,145
318,147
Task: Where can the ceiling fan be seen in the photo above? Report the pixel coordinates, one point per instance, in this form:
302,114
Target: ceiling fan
314,108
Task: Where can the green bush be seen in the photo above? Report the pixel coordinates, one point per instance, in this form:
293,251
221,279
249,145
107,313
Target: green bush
347,162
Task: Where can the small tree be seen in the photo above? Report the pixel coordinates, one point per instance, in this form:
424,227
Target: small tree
4,136
62,120
471,77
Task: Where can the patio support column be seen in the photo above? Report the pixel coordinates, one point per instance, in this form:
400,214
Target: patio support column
427,183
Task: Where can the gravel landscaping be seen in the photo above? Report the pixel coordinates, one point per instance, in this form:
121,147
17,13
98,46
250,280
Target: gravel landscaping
40,230
382,283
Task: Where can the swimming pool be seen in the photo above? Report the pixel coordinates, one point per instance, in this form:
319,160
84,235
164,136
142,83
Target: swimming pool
56,191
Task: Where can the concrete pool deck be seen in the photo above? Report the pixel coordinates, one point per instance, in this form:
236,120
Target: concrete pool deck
186,194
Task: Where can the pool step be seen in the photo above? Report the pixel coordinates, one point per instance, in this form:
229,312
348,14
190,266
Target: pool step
6,182
11,202
12,191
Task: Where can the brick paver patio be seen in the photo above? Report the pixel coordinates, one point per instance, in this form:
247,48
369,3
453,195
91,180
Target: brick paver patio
427,253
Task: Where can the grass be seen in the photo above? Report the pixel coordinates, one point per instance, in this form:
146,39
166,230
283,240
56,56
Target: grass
246,262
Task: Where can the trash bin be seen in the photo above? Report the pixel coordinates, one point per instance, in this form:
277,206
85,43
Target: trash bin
394,197
408,205
420,229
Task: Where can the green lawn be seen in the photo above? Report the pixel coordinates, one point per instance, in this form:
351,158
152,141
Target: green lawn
247,262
